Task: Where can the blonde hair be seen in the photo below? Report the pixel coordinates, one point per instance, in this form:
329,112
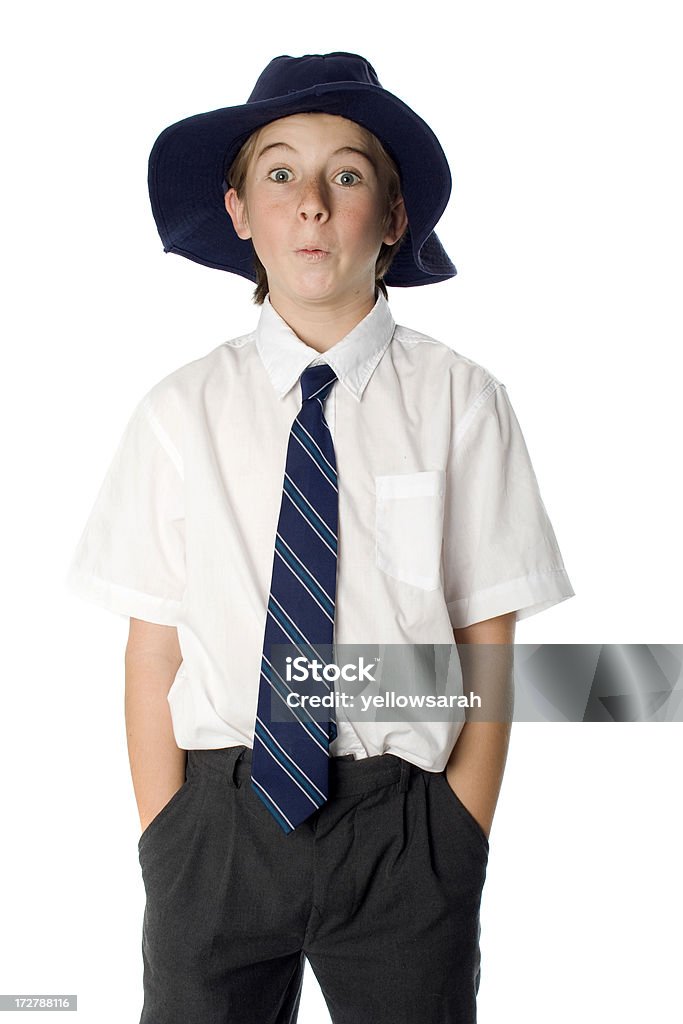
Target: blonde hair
236,177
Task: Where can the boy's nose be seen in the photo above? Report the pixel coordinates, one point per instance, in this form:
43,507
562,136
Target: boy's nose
314,202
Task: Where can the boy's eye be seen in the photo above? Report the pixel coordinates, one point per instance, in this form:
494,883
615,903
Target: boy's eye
348,174
279,171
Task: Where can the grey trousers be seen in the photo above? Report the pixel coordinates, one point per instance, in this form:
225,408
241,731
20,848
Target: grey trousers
379,890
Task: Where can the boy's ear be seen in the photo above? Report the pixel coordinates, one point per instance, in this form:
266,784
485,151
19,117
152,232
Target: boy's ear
398,222
237,213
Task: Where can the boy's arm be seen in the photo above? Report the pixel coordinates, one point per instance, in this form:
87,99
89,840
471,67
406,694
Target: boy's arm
477,762
157,765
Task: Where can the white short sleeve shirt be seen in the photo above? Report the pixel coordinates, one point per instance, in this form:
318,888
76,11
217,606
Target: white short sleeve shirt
441,523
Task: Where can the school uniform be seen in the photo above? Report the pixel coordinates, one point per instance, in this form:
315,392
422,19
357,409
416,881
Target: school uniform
441,524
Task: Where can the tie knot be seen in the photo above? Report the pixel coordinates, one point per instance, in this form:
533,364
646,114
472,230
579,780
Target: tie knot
316,381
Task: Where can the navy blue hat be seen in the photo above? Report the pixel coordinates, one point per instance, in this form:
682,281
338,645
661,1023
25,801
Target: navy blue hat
189,161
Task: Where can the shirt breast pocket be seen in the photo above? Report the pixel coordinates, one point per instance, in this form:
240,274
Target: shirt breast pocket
409,526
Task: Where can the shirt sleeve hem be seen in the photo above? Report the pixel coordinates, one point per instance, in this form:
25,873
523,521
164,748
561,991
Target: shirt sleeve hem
122,600
526,595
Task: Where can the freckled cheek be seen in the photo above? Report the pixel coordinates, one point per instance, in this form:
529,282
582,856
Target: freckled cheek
363,218
269,213
362,233
272,204
270,222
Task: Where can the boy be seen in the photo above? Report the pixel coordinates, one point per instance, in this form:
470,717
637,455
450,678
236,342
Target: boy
331,477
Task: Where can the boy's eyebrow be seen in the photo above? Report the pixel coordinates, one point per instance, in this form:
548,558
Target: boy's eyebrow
342,149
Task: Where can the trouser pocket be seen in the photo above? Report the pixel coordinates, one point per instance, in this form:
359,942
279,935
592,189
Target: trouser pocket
465,816
158,822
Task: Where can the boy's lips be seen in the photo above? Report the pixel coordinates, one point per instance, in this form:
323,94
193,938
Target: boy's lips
312,255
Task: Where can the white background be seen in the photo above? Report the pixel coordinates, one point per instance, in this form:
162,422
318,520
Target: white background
561,123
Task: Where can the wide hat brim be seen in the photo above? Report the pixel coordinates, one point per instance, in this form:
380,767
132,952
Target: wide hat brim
188,162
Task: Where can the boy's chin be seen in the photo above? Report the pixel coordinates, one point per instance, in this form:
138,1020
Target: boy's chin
314,287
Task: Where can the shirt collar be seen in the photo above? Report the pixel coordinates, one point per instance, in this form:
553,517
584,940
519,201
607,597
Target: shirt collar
285,356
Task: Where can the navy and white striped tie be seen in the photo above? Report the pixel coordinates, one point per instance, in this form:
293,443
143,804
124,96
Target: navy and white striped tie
290,760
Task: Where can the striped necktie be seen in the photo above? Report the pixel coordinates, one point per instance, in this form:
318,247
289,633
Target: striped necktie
290,760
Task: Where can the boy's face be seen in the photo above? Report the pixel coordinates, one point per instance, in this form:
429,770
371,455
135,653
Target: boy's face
309,192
